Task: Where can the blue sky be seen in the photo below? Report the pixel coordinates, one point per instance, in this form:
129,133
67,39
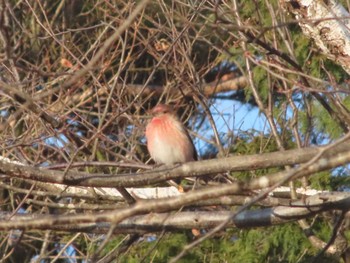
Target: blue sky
232,118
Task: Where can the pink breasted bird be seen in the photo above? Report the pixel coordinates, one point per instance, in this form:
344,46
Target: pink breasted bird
168,141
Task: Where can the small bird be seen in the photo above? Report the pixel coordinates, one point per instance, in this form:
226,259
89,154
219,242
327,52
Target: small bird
168,141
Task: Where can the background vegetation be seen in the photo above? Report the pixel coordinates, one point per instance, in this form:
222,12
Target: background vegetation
77,79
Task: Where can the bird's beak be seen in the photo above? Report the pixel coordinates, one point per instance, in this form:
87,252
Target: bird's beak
150,113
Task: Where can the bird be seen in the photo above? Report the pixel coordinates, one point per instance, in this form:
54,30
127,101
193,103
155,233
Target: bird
168,141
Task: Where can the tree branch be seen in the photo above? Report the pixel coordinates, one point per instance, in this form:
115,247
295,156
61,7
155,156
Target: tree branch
155,222
162,174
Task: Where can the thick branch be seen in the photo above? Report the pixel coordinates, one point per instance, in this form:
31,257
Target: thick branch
209,89
155,222
193,169
327,23
177,202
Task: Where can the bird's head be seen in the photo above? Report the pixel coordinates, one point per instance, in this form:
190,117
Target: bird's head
161,109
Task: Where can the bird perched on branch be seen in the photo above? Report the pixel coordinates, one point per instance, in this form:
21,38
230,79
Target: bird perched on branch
168,141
